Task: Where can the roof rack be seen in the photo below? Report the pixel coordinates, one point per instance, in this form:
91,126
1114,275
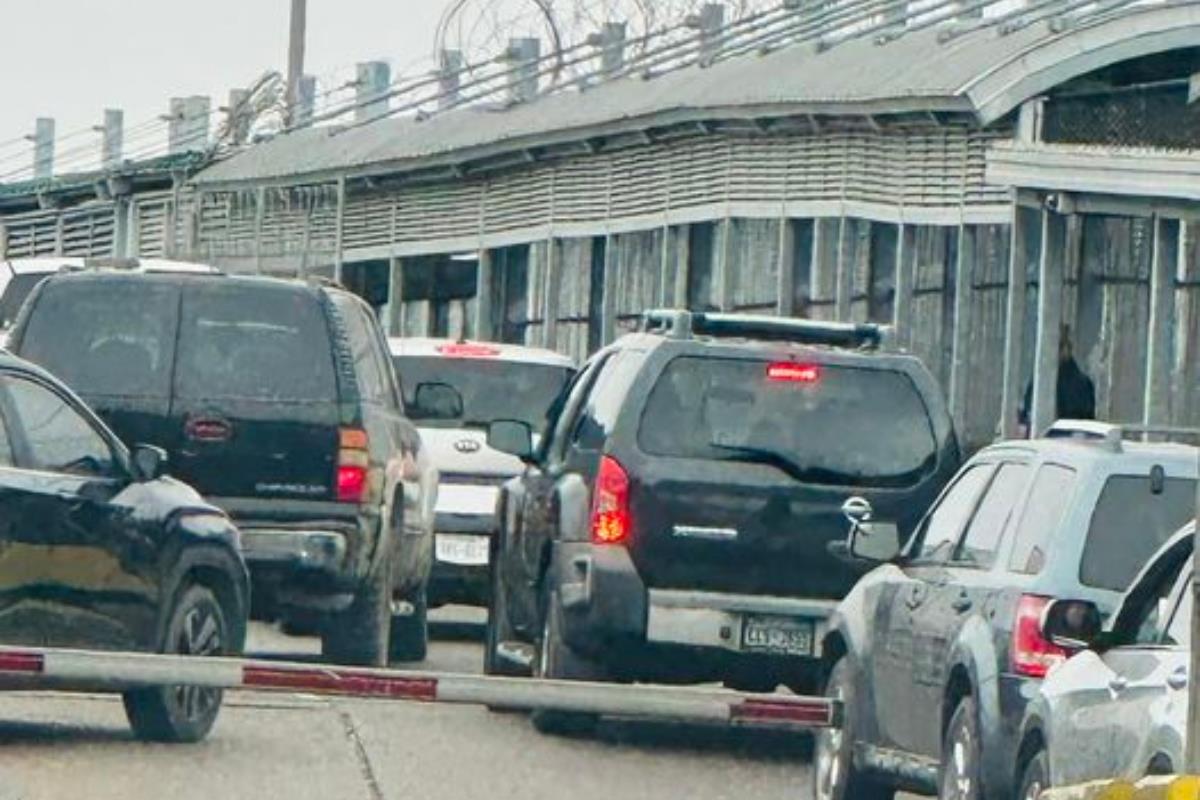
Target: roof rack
679,324
1112,435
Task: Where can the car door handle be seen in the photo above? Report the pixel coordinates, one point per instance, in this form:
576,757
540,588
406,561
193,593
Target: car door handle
1178,679
962,603
1118,683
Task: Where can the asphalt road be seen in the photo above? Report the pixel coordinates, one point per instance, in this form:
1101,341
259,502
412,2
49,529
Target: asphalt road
294,746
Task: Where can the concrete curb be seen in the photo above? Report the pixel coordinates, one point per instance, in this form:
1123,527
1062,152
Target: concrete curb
1170,787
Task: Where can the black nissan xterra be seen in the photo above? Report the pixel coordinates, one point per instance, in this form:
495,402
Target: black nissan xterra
674,524
276,400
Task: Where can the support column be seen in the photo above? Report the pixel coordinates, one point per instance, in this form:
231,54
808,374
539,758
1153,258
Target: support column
553,283
960,362
1014,325
1051,269
902,308
484,324
608,317
683,261
824,269
785,302
724,265
339,229
844,296
260,201
395,307
1165,264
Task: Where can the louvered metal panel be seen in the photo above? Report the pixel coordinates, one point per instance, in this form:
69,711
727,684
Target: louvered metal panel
581,189
31,235
150,214
88,230
369,219
520,200
438,211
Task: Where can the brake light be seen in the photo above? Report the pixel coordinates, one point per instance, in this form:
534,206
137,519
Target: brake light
352,463
611,520
1032,654
791,372
468,350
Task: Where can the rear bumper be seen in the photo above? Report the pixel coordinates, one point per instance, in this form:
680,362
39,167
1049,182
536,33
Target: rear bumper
609,614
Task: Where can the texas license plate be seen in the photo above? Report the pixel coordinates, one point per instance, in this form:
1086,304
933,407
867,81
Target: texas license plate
459,549
777,636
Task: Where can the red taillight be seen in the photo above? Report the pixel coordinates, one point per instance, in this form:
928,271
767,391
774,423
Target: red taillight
352,463
1032,654
611,521
791,372
468,350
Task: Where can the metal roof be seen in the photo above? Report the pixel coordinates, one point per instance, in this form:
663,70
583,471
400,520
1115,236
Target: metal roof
982,70
914,72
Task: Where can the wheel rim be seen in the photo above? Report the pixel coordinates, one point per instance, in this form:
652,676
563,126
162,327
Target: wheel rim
829,765
199,635
962,781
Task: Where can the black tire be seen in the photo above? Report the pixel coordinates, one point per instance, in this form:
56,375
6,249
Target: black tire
835,776
959,775
410,634
359,636
557,661
1035,777
183,714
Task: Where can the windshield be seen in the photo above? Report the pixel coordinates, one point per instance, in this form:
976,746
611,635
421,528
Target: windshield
490,389
821,424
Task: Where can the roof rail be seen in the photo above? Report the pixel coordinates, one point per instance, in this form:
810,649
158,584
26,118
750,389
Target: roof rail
1111,435
679,324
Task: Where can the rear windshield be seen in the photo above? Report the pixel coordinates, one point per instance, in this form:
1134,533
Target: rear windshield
254,342
1128,526
105,338
16,292
836,425
490,389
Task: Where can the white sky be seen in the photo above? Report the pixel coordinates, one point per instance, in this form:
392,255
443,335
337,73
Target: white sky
70,59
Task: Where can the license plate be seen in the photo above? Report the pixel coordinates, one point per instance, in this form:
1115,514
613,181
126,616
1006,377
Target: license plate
777,636
458,549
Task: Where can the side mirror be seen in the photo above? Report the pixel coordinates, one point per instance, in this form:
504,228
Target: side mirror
436,401
511,436
1071,624
149,463
868,540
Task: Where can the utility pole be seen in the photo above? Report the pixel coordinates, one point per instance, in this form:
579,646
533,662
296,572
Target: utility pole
43,149
295,73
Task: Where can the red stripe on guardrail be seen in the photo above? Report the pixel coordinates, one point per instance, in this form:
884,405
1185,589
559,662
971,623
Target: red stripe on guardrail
28,663
797,711
339,681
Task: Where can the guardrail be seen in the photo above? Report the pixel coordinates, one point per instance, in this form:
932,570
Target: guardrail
69,670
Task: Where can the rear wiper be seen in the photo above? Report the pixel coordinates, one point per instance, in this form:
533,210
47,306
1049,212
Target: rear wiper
758,455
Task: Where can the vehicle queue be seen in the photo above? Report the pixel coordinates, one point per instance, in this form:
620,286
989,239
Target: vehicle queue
754,501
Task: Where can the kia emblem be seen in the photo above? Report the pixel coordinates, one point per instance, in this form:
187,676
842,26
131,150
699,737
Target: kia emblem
467,446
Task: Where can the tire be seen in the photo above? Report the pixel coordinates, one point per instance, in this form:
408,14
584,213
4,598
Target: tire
410,634
183,714
1035,778
359,636
959,775
557,661
835,777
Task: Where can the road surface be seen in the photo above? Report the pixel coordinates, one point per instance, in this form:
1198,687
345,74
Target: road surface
300,747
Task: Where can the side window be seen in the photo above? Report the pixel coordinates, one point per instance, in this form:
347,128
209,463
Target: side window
57,438
1150,622
371,377
942,527
554,448
991,519
6,450
1048,502
1179,629
605,400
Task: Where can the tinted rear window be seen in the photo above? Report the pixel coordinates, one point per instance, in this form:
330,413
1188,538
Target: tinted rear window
105,337
1128,526
490,389
850,426
239,340
16,292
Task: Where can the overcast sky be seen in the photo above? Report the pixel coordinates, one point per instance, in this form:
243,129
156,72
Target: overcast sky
70,59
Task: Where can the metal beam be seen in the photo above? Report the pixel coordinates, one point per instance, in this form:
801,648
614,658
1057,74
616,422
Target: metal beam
339,231
785,302
1051,269
484,324
844,293
961,355
1164,264
1014,325
906,260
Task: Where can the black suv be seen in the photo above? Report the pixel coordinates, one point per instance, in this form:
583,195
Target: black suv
277,400
674,524
99,550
